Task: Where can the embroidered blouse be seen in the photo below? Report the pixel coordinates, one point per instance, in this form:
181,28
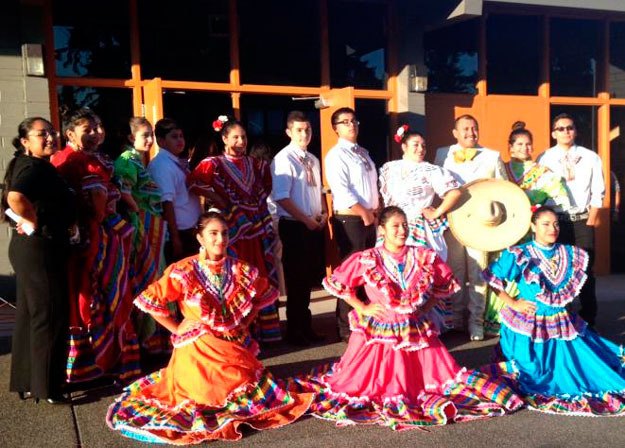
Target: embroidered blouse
136,180
541,185
402,283
223,299
551,277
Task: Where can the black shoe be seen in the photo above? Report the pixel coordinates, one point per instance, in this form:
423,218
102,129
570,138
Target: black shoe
344,338
58,399
25,395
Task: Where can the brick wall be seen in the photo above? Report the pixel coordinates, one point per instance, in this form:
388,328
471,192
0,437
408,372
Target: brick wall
21,96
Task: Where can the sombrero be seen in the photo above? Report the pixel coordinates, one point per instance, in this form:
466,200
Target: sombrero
492,214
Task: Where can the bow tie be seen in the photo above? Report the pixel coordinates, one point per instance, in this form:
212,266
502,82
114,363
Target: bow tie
464,155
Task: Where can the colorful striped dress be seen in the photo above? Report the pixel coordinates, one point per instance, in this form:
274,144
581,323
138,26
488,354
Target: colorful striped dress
102,337
543,187
412,187
395,371
245,183
213,382
147,260
553,359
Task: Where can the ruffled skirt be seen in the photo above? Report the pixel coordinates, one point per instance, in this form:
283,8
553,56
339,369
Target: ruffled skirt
209,389
374,383
581,376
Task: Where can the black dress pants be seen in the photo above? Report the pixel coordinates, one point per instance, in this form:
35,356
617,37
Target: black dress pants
39,346
579,234
302,263
351,236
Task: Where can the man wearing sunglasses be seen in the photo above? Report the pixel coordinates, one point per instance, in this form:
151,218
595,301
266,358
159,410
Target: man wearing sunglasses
353,179
582,171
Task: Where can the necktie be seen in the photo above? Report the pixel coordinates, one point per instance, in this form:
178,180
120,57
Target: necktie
307,163
362,156
569,160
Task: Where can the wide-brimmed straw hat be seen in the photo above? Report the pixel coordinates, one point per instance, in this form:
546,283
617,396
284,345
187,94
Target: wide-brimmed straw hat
492,214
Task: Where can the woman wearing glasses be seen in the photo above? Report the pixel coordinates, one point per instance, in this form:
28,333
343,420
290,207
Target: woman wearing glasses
41,205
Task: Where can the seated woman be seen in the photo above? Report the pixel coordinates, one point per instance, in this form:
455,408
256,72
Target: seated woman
213,382
395,371
559,364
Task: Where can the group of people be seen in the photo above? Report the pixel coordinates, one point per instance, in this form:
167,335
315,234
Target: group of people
114,226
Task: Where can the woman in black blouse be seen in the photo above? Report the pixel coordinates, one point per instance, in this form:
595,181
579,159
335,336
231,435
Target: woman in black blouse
43,202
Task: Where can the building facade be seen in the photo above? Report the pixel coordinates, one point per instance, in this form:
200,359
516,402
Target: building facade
396,61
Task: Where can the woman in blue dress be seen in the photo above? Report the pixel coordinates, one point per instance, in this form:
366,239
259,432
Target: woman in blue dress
560,365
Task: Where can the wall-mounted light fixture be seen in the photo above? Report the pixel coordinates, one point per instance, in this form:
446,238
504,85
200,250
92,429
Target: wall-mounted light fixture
32,54
417,81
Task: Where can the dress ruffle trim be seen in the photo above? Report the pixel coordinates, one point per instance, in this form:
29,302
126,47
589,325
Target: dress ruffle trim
150,420
550,294
467,396
411,333
601,404
541,327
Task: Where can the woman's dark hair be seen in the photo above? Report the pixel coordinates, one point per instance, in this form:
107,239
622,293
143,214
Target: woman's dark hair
228,125
541,211
518,129
262,151
388,212
78,117
408,134
207,217
22,132
136,122
205,146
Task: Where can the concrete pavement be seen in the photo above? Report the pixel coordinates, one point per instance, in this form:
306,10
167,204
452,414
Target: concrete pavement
24,424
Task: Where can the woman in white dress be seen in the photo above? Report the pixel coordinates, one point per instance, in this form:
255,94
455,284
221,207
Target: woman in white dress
412,184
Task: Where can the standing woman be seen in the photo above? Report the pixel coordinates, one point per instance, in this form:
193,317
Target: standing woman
560,365
541,185
239,185
142,208
411,184
35,191
102,336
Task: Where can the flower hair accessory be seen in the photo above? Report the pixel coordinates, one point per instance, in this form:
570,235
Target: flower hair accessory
399,134
535,207
219,123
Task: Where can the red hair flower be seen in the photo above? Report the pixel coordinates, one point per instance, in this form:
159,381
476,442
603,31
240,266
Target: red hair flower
399,134
219,123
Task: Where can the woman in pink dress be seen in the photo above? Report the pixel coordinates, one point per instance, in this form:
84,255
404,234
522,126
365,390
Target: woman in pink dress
395,371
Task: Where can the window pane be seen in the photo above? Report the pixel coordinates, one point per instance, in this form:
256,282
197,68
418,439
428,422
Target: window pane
617,60
451,55
373,130
358,42
113,106
575,57
95,43
617,166
288,52
514,47
195,112
187,41
264,117
585,118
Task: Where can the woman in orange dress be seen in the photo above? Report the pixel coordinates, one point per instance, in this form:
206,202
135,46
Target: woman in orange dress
213,382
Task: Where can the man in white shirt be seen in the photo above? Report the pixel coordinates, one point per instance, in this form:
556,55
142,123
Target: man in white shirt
582,171
181,209
297,192
468,161
352,177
